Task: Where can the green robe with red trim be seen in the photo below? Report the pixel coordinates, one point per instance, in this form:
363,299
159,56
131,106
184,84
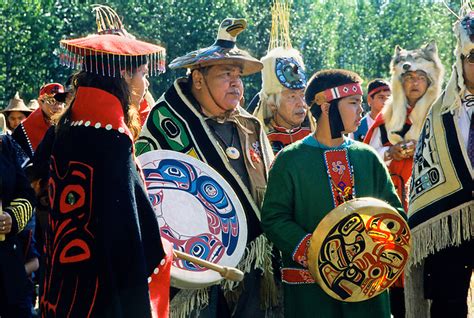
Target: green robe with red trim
298,197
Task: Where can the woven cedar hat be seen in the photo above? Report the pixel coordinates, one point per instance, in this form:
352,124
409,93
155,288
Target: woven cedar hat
223,51
17,104
111,48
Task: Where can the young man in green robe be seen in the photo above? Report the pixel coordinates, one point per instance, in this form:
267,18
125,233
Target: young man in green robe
306,182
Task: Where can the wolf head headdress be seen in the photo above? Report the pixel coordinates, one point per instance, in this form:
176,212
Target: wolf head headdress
395,110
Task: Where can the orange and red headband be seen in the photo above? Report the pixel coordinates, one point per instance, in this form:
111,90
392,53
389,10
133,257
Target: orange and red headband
378,89
337,92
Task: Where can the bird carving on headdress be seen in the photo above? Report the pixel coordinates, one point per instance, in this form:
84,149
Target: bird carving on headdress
226,39
223,51
229,29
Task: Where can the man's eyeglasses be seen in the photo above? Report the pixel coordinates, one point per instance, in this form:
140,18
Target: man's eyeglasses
470,58
416,77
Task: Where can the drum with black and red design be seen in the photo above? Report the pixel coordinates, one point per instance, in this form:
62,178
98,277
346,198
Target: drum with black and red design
359,249
198,212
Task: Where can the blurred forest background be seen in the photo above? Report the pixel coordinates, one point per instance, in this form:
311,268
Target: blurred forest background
358,35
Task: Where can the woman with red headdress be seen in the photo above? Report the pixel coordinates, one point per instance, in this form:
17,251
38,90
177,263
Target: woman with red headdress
104,254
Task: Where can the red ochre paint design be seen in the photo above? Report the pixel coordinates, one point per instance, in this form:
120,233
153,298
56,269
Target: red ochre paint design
363,256
71,281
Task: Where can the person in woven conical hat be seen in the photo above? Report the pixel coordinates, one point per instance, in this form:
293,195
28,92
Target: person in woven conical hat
103,251
281,104
200,115
16,112
439,282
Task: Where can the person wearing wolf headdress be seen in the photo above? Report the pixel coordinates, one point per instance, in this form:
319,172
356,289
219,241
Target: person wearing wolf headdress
206,121
416,82
289,216
281,105
103,251
441,210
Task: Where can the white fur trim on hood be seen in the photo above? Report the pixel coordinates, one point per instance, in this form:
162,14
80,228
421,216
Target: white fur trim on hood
394,112
270,82
456,87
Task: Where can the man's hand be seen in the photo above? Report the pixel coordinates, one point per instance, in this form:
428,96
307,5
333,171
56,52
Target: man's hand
402,150
5,223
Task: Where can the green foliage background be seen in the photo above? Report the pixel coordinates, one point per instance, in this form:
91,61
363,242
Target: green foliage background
359,35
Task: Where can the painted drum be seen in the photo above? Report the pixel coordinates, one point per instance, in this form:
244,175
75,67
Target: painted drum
198,212
359,249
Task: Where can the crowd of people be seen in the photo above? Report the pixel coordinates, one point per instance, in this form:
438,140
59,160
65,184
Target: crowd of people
78,233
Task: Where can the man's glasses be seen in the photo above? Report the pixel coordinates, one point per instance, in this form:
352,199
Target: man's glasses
470,58
416,77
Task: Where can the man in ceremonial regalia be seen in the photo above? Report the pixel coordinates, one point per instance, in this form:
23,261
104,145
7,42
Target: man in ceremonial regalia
311,177
416,82
378,91
441,210
201,116
281,105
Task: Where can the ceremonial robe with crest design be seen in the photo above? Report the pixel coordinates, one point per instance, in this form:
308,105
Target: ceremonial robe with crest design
298,197
103,242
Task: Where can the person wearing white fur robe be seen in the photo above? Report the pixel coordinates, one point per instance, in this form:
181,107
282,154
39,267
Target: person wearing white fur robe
416,82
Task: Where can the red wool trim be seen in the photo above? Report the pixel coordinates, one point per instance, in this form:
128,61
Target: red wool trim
34,127
340,176
96,108
378,89
296,276
159,283
286,137
299,255
337,93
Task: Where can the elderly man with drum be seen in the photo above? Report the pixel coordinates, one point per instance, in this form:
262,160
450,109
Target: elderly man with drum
201,116
340,254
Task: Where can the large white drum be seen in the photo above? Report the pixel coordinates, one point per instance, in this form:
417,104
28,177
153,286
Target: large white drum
198,212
